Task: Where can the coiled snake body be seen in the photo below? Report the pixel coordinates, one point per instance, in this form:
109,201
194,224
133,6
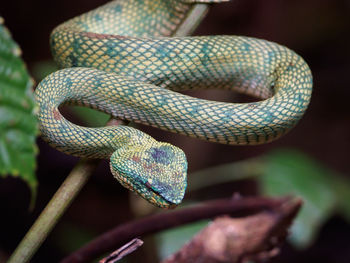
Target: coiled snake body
120,60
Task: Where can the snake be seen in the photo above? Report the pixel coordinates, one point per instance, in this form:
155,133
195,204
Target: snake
124,59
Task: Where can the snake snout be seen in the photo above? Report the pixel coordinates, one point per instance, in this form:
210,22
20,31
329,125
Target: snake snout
157,172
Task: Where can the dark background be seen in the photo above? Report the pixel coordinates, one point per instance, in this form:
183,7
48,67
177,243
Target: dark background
318,30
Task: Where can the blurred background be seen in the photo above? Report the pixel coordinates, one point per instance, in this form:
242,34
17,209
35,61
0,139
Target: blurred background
312,161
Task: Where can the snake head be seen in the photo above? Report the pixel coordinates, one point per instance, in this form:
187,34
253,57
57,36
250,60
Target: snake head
157,172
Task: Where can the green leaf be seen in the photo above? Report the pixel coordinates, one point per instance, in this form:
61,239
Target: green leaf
18,124
341,187
291,172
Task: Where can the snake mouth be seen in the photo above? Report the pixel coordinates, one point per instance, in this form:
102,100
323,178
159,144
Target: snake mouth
168,203
143,189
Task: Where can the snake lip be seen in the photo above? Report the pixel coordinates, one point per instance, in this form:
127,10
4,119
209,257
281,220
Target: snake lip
142,188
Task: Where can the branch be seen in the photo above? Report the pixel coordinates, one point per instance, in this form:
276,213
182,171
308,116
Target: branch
122,233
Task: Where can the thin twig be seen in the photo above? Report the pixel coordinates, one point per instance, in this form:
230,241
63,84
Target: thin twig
123,251
122,233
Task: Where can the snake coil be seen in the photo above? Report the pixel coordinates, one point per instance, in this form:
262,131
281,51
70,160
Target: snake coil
120,59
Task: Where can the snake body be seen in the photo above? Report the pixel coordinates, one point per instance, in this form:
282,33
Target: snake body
120,59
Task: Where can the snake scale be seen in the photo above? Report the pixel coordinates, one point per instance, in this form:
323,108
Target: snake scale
121,59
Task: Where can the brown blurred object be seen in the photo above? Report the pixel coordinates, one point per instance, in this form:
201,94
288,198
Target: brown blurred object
239,240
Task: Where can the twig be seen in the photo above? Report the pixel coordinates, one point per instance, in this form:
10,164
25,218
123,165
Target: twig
123,251
122,233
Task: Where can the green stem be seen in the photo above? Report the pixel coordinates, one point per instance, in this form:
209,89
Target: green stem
194,17
225,173
53,211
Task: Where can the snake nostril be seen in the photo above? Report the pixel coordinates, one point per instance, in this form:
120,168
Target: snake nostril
272,87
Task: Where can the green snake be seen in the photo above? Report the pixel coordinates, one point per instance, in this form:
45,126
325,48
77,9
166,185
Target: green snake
121,59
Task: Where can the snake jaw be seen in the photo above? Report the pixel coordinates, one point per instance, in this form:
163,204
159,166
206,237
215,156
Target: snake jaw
157,172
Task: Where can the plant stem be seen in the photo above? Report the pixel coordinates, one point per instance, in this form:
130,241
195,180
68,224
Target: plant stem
53,211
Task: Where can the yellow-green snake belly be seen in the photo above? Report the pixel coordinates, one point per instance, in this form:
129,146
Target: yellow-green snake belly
120,59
